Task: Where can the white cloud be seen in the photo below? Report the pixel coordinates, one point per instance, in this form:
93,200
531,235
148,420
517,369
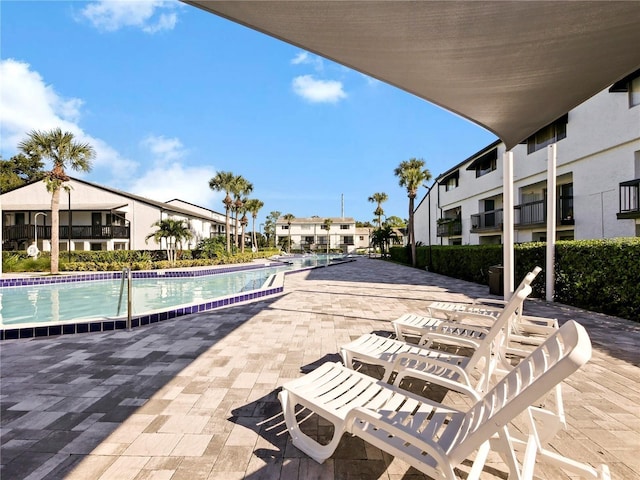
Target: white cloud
318,91
149,15
304,58
27,103
190,184
168,178
164,149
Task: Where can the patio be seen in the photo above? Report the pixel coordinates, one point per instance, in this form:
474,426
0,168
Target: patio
196,397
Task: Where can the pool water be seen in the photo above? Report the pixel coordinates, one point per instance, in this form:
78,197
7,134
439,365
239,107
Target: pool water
63,302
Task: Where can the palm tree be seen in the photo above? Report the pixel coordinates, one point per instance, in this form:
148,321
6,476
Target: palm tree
270,226
222,182
289,218
253,206
240,187
243,223
327,225
174,232
382,237
412,174
379,199
64,152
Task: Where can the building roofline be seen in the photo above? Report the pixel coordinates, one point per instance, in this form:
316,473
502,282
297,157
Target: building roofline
161,205
479,153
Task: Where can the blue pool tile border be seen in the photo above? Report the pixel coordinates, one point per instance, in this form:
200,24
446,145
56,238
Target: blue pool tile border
143,319
89,277
138,321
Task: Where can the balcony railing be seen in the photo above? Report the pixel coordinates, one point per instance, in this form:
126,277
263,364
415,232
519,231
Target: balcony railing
449,228
530,213
630,199
487,221
78,232
534,213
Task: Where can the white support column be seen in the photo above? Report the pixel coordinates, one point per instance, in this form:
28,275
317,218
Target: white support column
507,225
551,221
1,225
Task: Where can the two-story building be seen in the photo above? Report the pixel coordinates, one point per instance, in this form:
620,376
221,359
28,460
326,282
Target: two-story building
597,179
310,234
95,217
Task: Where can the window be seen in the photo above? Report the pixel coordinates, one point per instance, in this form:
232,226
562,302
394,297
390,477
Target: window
485,163
634,92
285,227
347,240
361,238
451,181
308,239
344,227
566,203
19,218
630,84
550,134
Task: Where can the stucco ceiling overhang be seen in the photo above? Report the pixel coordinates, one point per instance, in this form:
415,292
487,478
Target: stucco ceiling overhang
510,66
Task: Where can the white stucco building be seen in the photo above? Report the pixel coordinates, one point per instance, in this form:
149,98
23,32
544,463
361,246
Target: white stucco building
598,179
310,234
95,217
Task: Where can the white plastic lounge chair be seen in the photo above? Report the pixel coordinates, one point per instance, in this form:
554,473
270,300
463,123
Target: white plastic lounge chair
523,330
394,355
432,437
487,306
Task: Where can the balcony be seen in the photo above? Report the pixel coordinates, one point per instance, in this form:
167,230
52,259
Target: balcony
490,221
629,199
449,227
534,214
78,232
530,214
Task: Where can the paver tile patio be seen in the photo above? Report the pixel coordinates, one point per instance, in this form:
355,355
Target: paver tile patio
196,397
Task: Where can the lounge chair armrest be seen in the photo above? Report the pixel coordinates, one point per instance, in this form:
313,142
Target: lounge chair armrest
474,319
449,339
488,302
488,319
438,380
360,418
415,359
539,321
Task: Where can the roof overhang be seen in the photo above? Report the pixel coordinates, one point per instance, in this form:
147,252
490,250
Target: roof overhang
45,207
510,66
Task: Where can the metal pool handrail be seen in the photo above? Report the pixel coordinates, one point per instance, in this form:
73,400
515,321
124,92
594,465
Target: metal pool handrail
127,272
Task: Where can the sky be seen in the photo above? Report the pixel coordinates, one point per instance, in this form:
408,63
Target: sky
168,95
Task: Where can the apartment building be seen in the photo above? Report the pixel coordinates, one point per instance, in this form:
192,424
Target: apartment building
597,180
95,217
310,234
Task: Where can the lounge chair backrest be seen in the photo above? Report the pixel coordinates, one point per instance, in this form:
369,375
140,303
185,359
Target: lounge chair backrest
558,357
511,309
526,281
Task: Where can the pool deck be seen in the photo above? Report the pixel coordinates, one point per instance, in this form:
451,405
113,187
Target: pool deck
196,397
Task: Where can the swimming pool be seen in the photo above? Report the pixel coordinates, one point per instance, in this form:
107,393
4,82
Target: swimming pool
81,303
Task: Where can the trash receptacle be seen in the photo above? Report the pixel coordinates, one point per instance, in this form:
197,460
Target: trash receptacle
496,282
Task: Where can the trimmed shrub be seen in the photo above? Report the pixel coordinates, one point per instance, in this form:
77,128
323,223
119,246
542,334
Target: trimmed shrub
597,275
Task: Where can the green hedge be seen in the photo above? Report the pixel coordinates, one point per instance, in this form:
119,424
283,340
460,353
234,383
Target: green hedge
597,275
114,260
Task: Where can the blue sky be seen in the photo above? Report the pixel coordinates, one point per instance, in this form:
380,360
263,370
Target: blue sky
168,94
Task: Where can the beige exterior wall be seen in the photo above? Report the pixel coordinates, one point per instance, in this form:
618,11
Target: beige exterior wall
600,151
88,200
309,233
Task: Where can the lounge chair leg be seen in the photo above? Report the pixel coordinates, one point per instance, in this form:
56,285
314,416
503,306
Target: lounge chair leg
303,442
582,469
504,446
479,461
